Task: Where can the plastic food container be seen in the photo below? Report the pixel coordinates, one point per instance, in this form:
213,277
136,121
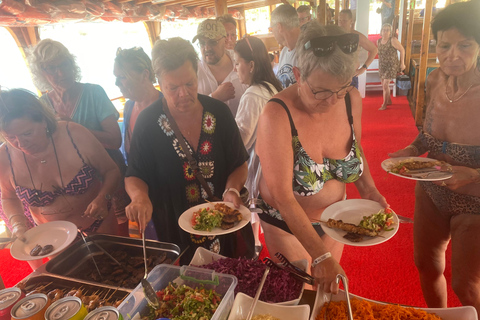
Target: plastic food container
135,305
242,304
203,256
464,313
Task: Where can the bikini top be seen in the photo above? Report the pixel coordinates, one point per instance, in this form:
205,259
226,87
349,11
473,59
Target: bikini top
309,177
78,185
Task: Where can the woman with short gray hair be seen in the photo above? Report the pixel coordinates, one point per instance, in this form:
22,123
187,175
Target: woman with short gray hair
318,134
161,180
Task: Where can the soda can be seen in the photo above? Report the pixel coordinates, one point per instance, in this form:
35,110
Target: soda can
31,307
104,313
68,308
8,298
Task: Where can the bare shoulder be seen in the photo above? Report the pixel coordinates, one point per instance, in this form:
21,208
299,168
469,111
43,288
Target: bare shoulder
435,78
273,112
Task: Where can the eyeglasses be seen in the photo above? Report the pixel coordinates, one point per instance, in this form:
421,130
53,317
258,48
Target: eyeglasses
325,45
304,19
325,94
211,43
51,70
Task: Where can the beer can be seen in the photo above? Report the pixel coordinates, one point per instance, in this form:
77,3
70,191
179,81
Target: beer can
68,308
31,307
104,313
8,298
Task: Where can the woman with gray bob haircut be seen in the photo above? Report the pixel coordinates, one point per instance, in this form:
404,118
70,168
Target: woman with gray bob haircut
43,55
314,127
161,180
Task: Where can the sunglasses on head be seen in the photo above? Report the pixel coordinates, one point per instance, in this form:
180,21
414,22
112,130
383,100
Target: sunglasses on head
325,45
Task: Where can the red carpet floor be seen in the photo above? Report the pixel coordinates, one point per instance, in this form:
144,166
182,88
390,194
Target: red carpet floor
384,272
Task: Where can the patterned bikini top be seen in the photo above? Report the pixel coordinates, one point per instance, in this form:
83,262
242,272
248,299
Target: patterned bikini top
78,185
309,177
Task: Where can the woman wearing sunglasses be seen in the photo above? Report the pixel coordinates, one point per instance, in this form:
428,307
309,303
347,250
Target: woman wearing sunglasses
309,137
254,69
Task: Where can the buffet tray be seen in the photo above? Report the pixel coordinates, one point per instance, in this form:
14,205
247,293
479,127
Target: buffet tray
74,259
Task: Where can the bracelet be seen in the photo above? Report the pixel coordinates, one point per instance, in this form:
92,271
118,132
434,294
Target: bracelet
323,257
15,215
233,190
365,66
411,146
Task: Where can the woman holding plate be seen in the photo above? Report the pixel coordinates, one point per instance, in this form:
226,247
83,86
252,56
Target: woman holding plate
309,138
449,210
161,180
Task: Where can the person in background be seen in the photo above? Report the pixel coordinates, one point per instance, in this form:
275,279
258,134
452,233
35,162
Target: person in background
161,180
345,20
448,211
231,30
309,144
286,30
387,11
58,169
135,78
216,76
254,70
55,71
388,64
273,63
304,14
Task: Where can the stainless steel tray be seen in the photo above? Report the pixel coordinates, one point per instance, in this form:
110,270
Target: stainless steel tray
75,261
47,283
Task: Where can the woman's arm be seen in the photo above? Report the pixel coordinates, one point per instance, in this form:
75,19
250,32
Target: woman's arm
110,136
274,147
372,50
249,111
95,155
236,180
365,185
397,45
140,209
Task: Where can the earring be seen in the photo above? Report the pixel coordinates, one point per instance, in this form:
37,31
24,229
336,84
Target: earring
47,131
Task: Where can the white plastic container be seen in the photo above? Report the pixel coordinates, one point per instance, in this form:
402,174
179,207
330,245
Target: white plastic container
135,304
203,256
242,304
463,313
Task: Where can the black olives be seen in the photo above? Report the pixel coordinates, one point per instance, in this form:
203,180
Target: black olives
46,249
36,250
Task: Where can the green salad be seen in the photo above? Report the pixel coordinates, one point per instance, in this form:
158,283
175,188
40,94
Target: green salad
382,220
206,219
181,302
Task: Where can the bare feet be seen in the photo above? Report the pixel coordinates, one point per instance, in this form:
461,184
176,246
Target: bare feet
383,107
389,102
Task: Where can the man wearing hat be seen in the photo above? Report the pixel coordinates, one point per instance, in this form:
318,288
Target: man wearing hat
216,75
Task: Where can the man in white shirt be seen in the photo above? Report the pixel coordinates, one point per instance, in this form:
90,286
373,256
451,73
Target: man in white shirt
345,21
216,75
286,30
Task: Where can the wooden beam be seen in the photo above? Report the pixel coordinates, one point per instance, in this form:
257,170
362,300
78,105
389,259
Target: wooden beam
221,7
345,4
404,24
242,24
411,23
422,73
337,11
322,12
154,28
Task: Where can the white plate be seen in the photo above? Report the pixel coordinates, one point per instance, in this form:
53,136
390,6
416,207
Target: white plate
185,220
57,233
203,256
464,313
242,304
353,211
388,164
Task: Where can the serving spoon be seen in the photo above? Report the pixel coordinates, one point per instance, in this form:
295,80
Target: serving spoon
148,291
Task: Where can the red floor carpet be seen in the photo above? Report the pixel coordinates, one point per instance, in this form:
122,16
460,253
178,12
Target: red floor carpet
383,272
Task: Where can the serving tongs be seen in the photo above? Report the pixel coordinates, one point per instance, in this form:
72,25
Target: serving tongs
148,291
347,294
295,271
82,233
257,294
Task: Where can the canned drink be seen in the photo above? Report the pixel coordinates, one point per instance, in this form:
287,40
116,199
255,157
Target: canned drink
31,307
68,308
8,298
104,313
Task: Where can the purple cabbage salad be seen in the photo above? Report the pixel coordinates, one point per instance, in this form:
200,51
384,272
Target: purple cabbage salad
280,286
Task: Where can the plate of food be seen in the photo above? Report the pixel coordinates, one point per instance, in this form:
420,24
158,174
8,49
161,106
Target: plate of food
214,219
44,240
359,222
416,168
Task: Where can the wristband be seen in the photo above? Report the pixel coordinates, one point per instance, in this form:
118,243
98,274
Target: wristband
233,190
364,66
15,215
323,257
